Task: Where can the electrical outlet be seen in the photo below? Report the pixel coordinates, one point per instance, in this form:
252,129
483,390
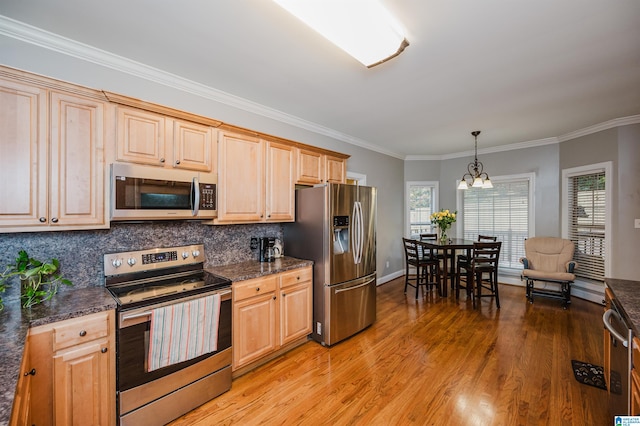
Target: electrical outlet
637,223
319,328
254,243
387,264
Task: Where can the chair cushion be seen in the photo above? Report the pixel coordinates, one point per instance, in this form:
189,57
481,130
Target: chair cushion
553,276
548,254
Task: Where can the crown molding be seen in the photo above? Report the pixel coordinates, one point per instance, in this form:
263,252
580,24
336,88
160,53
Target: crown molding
54,42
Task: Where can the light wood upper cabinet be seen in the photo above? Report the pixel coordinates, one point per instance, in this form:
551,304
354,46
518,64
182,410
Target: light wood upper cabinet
51,159
315,167
240,178
280,191
255,179
153,139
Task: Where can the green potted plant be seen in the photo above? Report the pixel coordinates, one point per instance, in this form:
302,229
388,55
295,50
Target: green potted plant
39,281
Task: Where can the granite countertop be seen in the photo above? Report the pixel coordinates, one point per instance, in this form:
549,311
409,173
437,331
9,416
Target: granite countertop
15,322
254,269
627,295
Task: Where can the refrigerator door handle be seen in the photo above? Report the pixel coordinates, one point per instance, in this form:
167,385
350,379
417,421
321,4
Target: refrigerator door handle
357,232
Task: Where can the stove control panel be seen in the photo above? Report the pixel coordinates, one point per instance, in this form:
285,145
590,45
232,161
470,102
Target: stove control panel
146,260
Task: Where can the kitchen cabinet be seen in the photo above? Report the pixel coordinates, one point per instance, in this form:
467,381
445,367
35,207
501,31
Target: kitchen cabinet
154,139
51,158
74,363
255,180
315,167
270,313
21,412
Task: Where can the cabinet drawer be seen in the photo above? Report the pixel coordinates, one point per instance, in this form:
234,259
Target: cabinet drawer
245,289
80,330
296,276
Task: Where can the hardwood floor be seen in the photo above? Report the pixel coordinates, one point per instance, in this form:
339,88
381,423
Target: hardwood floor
433,361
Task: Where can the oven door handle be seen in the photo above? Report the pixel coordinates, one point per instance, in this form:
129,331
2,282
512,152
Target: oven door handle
143,314
608,326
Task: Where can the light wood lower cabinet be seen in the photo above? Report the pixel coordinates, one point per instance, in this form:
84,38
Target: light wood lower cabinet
73,373
270,313
635,378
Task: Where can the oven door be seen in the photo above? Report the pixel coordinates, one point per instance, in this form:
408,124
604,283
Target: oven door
134,382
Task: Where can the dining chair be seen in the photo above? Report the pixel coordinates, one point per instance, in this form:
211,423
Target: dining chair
440,256
427,267
481,272
481,239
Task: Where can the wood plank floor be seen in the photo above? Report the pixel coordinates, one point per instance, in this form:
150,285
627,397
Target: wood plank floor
433,361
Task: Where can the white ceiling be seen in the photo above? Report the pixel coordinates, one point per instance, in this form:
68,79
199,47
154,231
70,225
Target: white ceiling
517,70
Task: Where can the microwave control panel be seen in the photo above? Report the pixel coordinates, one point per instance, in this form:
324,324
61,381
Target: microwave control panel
207,196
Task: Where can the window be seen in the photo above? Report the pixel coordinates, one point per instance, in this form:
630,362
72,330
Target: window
421,201
505,211
585,218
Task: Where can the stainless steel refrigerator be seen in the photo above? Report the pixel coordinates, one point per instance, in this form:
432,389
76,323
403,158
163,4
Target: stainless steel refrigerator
336,228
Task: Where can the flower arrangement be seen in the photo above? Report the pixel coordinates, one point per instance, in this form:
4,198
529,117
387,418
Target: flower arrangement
443,220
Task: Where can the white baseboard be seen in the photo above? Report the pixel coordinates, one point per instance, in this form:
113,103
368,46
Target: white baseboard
389,277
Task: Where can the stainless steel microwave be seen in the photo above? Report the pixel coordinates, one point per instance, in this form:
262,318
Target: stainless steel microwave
150,193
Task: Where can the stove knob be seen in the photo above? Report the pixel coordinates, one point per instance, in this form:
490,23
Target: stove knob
116,263
196,253
185,254
131,261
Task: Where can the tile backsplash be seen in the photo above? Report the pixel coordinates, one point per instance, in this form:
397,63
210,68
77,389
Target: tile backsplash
81,252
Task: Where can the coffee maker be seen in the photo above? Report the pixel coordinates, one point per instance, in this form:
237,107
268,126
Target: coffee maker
267,251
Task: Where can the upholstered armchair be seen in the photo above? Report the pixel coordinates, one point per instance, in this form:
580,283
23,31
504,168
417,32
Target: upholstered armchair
548,268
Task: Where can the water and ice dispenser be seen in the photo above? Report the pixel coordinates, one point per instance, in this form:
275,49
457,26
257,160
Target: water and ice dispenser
340,234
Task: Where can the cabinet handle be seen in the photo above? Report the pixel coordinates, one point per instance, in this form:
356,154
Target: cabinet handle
298,278
42,219
162,160
257,288
54,220
30,373
177,162
104,350
83,333
274,298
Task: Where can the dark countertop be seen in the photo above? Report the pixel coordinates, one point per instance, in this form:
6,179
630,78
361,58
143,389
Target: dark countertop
627,295
254,269
73,302
15,322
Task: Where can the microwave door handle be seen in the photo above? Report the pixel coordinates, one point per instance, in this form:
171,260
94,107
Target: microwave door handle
195,197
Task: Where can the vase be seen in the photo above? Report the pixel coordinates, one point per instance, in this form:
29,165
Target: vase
443,235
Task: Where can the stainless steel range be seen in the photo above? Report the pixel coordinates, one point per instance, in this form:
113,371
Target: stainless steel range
174,332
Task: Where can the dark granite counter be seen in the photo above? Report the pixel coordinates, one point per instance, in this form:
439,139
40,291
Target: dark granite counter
254,269
627,295
15,322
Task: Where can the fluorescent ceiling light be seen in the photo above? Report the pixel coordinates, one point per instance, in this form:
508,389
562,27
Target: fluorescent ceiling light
362,28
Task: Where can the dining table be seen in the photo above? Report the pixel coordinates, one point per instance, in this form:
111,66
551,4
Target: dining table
448,249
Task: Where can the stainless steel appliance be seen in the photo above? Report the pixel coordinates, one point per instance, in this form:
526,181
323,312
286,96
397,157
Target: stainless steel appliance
147,193
620,335
336,228
142,281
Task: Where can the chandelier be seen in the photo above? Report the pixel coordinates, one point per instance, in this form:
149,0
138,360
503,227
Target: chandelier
475,173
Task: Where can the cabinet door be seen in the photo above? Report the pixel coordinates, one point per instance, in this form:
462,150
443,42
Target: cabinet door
335,169
193,146
82,385
310,167
280,205
77,161
141,137
23,155
241,178
254,328
21,413
296,304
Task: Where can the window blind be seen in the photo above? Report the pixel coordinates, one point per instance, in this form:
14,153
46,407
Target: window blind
587,214
502,212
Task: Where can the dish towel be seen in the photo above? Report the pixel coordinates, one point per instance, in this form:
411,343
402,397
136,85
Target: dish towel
183,331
